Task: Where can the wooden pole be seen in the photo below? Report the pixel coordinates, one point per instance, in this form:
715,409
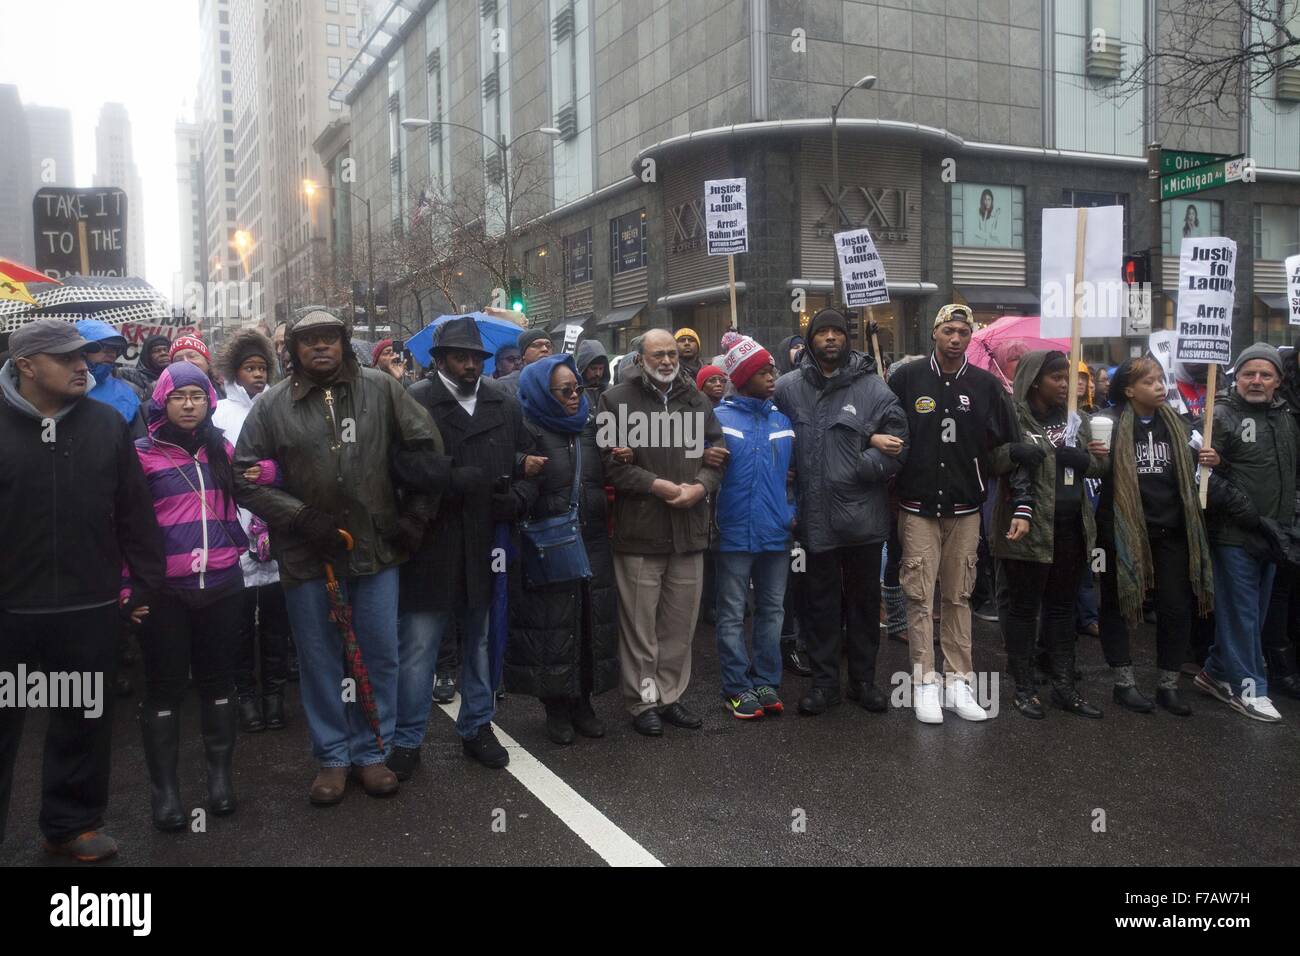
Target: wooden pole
1076,346
731,283
85,252
875,342
1207,430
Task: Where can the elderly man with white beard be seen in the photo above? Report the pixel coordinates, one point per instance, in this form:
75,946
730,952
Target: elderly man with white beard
661,526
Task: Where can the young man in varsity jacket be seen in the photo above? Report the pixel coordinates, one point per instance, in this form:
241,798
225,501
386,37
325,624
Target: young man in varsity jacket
957,414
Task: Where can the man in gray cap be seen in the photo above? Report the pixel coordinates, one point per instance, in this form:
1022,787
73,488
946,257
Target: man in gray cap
78,506
1251,506
339,433
533,344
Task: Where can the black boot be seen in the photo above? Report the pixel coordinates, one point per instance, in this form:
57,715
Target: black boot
250,715
585,720
273,710
1026,699
161,732
559,724
218,722
792,660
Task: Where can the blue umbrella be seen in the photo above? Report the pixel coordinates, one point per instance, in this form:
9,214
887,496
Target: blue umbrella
494,332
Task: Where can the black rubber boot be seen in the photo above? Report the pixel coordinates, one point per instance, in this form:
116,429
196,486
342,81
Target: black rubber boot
218,721
161,732
250,715
559,723
273,710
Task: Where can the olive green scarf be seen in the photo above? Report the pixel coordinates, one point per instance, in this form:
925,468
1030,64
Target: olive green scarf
1132,549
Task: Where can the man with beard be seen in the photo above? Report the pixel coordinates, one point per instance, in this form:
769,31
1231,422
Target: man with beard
661,526
507,361
688,352
448,583
850,439
593,368
533,344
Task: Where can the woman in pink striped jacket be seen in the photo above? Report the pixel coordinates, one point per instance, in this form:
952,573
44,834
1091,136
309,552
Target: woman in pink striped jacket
192,626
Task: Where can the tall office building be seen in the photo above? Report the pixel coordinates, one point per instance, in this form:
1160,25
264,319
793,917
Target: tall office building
15,179
49,130
249,220
190,207
214,113
115,166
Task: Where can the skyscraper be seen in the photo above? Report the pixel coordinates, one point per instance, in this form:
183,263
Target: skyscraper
190,206
15,179
49,130
115,166
215,115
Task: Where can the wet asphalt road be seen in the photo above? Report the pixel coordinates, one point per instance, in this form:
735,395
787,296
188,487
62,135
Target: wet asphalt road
1213,789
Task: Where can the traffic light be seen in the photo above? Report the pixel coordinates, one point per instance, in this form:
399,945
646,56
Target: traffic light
1137,268
517,302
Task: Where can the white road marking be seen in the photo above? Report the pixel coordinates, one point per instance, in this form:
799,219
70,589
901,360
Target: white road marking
594,828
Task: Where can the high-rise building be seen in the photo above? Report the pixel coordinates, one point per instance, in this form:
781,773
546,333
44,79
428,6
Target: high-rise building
15,179
303,50
192,223
249,220
49,129
115,166
215,114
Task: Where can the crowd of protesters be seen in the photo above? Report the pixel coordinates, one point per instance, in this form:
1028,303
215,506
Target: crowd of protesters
554,530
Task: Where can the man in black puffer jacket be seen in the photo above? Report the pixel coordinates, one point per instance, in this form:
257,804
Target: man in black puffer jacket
850,439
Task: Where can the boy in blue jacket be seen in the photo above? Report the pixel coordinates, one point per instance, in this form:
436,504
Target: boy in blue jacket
754,517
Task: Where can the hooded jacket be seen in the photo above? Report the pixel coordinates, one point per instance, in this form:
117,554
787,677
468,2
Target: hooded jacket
202,536
588,351
110,387
643,523
146,372
781,357
841,479
1038,545
754,513
76,506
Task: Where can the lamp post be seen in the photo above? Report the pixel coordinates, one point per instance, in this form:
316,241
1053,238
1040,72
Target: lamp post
503,147
865,83
309,186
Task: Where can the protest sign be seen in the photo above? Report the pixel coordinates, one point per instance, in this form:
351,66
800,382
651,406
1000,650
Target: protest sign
861,270
571,335
1293,288
80,231
1089,287
726,218
1206,286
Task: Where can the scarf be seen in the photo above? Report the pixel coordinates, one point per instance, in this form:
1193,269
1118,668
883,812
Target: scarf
540,406
1134,565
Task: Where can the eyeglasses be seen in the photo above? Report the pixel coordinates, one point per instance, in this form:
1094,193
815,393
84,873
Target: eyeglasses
323,337
187,398
568,391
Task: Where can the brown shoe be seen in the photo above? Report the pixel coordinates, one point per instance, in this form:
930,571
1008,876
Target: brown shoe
376,779
90,847
327,788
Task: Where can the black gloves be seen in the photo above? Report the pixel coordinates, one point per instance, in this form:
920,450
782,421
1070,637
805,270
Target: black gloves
410,532
318,528
1027,454
1076,458
505,506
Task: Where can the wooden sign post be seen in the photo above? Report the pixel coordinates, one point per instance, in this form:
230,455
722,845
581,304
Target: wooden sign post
1076,345
1207,429
731,284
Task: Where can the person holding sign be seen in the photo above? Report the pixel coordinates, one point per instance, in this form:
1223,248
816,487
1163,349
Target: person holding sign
851,437
1047,562
1251,506
1149,522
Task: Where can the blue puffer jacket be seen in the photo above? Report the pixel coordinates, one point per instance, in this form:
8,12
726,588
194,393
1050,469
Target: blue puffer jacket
753,512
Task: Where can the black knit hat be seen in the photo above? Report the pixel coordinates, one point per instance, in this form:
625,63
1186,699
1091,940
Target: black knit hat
828,318
528,336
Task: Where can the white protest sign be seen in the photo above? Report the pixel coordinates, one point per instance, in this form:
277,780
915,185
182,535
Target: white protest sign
1293,288
571,335
1162,347
1103,304
861,270
726,219
1206,285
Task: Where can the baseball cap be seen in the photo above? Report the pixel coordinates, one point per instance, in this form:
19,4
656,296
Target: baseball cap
45,335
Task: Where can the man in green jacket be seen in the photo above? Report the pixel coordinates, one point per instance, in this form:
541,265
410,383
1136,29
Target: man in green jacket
1252,504
652,429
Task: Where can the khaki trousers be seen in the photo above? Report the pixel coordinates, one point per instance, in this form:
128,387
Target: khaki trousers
943,548
658,599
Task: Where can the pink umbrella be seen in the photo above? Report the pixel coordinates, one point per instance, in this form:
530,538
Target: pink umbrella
997,347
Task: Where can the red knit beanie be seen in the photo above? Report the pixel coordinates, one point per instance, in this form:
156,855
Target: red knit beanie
378,350
744,359
706,373
189,342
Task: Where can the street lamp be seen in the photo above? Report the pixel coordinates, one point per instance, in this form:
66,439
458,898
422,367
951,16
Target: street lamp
411,124
865,83
309,187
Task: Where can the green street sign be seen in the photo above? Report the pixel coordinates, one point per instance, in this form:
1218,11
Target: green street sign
1202,177
1180,161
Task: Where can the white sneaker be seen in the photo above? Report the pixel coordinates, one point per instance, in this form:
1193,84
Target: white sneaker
925,701
1256,708
957,696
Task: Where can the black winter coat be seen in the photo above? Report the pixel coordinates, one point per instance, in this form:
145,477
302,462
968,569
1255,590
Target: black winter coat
452,570
560,632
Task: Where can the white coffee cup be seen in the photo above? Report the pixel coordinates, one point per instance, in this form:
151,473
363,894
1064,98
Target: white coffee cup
1101,429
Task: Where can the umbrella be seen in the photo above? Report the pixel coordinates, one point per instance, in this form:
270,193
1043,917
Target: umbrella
13,282
494,333
341,615
989,345
110,299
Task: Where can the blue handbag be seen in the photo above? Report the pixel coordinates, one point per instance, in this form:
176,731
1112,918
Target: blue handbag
552,548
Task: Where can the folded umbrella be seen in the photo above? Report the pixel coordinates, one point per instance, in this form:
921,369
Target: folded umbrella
341,614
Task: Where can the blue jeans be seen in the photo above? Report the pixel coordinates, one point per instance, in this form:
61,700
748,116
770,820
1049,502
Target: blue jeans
420,634
1242,588
734,570
339,732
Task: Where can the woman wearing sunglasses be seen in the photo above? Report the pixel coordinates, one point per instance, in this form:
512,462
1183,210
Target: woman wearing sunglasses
564,637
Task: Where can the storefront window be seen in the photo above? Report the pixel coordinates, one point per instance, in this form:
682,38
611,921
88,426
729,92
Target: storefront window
1189,219
577,257
1277,232
988,216
627,243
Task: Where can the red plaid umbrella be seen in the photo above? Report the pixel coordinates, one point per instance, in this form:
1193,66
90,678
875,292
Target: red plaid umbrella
341,615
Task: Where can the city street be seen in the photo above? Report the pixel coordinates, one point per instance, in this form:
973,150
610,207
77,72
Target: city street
1213,789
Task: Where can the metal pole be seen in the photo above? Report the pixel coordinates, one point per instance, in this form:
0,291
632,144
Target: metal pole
505,194
370,271
1156,253
836,296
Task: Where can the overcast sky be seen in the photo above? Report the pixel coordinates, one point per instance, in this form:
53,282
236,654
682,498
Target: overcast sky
80,54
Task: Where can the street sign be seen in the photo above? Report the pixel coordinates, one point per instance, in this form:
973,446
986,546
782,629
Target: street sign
1180,161
1195,180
